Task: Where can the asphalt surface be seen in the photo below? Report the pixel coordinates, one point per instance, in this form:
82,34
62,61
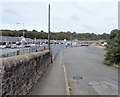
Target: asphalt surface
85,65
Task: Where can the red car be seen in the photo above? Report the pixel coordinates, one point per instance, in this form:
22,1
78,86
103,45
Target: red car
84,45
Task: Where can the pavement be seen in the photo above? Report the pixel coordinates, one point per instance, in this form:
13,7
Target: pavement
53,82
78,67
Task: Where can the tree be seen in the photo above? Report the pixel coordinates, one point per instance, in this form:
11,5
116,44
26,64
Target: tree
56,35
113,48
41,31
34,30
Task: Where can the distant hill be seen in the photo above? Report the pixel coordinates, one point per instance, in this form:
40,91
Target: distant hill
56,35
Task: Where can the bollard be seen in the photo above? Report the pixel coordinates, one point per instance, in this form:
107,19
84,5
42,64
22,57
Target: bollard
18,52
36,50
44,47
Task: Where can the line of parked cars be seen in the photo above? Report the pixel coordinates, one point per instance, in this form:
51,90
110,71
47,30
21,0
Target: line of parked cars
20,46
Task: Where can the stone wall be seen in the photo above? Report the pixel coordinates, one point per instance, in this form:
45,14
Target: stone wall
20,73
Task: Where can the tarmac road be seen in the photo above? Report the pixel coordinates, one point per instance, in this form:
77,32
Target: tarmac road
85,65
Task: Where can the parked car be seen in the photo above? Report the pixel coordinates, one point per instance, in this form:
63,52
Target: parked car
14,46
21,46
32,45
28,45
8,46
84,45
2,46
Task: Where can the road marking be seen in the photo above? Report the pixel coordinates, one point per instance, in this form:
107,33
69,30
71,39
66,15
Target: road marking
65,75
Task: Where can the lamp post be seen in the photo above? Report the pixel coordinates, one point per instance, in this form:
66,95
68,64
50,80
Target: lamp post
23,28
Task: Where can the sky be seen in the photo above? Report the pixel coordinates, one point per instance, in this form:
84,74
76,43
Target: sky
119,15
93,16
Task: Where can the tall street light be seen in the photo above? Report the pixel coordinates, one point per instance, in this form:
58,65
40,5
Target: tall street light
23,28
49,26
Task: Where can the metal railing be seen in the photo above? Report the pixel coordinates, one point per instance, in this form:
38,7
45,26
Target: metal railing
21,51
14,52
56,49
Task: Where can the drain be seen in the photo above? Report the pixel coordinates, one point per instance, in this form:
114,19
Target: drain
77,77
93,83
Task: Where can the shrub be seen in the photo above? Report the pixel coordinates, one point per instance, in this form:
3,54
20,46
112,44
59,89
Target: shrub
113,48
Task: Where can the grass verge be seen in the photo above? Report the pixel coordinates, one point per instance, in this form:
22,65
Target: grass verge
108,63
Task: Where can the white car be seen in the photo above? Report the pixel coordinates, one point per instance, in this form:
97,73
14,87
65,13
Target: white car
2,46
32,45
14,46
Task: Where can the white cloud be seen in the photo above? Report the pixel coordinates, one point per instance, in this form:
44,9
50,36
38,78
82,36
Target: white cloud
97,17
49,1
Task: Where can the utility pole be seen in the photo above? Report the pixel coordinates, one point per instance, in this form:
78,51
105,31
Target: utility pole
49,26
23,30
119,15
